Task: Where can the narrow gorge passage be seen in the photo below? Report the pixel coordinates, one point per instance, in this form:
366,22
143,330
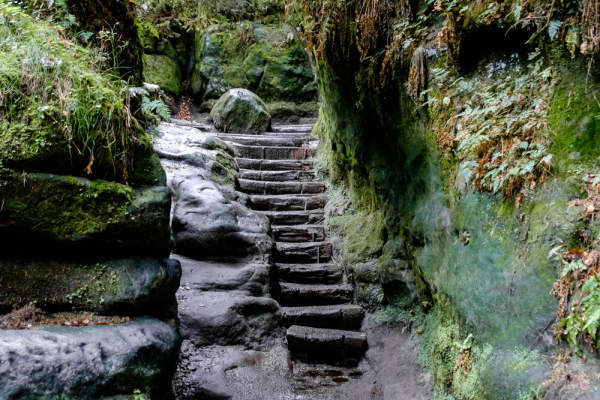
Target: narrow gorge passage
284,327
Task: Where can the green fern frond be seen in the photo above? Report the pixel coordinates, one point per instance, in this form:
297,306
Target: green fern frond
157,108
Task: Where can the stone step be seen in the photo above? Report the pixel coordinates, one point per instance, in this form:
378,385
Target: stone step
264,188
298,294
274,165
299,233
293,128
296,202
309,273
300,140
277,176
272,153
344,316
312,217
204,127
301,253
334,346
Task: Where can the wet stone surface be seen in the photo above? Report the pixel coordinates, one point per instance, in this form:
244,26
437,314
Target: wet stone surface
387,372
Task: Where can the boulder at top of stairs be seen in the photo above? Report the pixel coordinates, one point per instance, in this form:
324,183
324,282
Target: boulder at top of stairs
241,111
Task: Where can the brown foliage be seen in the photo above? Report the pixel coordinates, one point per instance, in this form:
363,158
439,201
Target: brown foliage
418,77
29,316
464,362
450,36
590,27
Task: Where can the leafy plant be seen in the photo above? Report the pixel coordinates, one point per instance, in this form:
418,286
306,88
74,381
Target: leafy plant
156,109
496,123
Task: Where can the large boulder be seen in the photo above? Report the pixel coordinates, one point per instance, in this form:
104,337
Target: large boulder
164,72
56,362
133,286
241,111
226,303
208,225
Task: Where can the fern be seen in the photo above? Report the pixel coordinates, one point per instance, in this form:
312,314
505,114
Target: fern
573,266
156,108
591,303
573,325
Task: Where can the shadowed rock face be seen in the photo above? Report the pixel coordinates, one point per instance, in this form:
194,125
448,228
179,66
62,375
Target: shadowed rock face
241,111
85,363
117,16
133,286
68,216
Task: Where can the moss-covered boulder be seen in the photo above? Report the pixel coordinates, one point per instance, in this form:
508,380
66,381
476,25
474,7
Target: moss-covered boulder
265,58
48,214
164,72
241,111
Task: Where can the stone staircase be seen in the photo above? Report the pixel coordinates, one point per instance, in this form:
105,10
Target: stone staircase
276,171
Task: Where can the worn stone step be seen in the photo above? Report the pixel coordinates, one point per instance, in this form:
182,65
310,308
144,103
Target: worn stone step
309,273
339,316
299,233
259,187
299,253
273,153
312,217
300,294
274,165
300,140
202,126
277,176
295,202
293,128
333,346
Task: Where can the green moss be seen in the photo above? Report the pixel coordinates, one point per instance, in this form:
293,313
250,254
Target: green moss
285,108
575,122
63,103
164,72
269,64
66,206
362,233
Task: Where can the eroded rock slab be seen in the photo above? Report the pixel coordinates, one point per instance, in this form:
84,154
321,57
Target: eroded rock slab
206,224
88,362
227,304
134,286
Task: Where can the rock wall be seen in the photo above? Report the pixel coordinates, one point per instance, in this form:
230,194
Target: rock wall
262,54
410,214
87,291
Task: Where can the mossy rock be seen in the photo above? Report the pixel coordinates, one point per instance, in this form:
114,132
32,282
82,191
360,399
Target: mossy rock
272,64
166,48
164,72
32,144
132,286
54,214
149,41
241,111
